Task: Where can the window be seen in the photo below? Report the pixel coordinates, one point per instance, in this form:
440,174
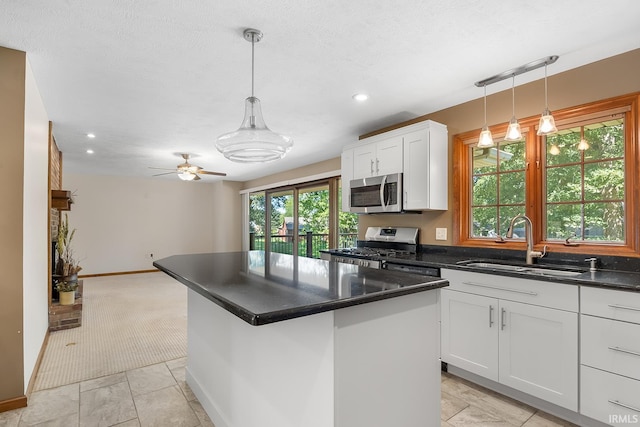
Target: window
303,219
498,189
585,186
575,185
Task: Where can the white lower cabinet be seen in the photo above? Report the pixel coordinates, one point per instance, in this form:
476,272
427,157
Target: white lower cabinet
493,326
610,356
469,334
612,399
539,352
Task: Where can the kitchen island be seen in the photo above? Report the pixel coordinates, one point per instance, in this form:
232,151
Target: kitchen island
276,340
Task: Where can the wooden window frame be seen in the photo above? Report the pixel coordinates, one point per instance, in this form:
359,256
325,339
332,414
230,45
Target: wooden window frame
534,170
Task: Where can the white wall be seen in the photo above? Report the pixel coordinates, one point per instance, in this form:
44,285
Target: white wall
227,216
120,221
36,277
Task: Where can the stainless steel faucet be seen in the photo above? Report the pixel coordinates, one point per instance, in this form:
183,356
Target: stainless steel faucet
528,226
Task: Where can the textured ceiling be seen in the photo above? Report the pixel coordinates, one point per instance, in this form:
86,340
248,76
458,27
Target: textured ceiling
155,78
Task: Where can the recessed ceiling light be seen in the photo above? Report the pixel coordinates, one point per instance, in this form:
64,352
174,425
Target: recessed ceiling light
89,151
360,97
91,135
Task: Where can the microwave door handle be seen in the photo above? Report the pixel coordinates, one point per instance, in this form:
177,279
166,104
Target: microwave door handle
382,185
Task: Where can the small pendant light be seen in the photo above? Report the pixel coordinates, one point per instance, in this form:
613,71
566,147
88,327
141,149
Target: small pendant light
547,124
513,131
253,142
486,140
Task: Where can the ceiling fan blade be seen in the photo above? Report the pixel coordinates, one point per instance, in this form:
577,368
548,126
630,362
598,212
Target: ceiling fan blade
212,173
163,169
196,178
165,173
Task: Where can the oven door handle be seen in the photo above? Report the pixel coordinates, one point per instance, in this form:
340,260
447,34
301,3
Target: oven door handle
382,185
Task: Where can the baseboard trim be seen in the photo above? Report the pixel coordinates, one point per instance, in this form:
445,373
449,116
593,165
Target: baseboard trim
117,273
15,403
36,368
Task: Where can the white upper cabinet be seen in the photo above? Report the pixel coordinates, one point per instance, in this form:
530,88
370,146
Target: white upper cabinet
418,151
426,168
346,161
378,158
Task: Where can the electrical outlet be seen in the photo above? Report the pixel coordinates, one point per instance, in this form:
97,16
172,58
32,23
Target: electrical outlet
441,234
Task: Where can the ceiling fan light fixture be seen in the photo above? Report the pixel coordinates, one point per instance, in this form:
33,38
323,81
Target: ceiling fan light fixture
253,142
186,175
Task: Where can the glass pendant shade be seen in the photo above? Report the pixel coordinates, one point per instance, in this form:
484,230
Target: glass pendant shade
547,124
486,140
513,131
583,145
253,141
554,150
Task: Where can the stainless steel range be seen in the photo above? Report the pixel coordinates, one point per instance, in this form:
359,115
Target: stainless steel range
386,247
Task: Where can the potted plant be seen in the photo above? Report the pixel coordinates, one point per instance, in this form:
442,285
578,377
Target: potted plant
67,267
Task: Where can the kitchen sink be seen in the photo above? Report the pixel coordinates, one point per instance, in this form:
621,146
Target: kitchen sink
538,271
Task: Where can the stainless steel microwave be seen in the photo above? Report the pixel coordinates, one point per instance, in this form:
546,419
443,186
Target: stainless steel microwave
376,194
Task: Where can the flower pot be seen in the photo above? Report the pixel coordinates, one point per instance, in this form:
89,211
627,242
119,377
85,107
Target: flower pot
71,278
67,298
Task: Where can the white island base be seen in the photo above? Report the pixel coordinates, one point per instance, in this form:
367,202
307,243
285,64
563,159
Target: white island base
368,365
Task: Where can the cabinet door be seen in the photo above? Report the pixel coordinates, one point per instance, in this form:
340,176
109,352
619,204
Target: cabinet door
416,172
364,161
346,165
469,331
389,156
539,352
426,170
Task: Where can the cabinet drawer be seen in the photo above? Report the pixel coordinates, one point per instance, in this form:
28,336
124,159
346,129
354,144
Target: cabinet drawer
610,345
609,398
610,303
547,294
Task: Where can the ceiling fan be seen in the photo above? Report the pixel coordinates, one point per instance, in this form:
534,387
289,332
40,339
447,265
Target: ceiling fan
188,172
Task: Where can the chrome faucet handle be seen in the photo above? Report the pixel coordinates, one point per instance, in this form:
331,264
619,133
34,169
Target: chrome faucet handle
538,254
592,263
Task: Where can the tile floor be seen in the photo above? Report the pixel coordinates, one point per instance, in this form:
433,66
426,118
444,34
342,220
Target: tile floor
157,396
465,404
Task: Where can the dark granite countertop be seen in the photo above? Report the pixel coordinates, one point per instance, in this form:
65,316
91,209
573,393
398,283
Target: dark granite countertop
263,288
614,272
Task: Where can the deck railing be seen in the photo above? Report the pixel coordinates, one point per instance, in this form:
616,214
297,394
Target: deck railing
309,244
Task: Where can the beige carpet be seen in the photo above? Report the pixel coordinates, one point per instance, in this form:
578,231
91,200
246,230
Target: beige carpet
128,321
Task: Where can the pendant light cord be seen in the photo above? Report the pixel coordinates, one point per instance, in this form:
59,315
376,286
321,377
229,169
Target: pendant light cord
546,102
485,105
513,95
253,43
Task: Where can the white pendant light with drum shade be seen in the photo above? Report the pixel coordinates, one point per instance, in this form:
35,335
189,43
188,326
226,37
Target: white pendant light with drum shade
253,142
547,124
513,131
486,140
